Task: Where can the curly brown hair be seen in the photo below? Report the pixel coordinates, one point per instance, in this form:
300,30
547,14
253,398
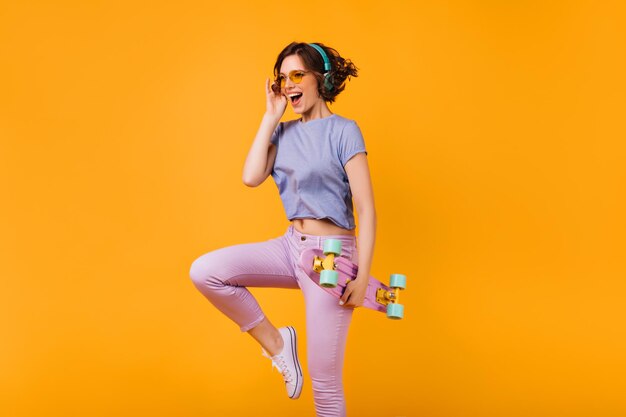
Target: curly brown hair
340,68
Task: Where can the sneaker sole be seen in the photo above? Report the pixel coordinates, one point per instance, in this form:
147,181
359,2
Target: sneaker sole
294,343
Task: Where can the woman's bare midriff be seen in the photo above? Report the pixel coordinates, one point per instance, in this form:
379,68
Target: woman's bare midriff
321,227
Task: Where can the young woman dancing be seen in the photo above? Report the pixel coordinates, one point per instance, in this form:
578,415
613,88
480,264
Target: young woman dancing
319,164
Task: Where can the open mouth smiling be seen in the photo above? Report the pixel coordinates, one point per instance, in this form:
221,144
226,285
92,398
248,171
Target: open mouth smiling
295,97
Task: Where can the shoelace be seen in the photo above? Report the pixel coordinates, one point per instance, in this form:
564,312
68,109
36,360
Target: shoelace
279,363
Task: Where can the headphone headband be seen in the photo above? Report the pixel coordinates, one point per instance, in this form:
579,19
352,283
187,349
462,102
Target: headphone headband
319,49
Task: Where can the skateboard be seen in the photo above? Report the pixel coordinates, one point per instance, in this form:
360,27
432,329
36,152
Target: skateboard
333,272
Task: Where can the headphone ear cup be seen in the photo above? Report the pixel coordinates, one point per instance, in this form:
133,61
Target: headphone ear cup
328,82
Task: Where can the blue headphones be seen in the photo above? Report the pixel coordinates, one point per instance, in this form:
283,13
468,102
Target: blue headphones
328,83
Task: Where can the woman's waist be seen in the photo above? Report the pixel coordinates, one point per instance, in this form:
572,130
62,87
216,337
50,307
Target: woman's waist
319,227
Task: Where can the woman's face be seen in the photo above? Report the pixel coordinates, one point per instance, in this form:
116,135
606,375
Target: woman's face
304,95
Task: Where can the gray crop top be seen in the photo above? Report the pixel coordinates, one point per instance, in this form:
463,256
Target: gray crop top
309,168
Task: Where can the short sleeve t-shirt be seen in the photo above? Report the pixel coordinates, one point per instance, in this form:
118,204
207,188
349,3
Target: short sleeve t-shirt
309,168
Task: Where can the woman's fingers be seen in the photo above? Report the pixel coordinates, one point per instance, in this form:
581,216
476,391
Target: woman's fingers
267,86
276,102
353,295
345,296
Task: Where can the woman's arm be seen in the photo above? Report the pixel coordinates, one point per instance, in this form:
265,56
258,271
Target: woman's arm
363,196
262,153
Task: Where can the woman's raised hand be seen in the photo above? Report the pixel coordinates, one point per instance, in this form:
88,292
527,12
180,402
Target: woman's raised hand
276,103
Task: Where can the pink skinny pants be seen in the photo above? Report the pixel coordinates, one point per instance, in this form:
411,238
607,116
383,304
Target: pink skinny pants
223,275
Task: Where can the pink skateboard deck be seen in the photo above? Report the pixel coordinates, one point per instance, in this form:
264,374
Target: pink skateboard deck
378,295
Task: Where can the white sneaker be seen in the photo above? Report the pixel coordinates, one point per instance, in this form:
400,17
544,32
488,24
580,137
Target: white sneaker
287,362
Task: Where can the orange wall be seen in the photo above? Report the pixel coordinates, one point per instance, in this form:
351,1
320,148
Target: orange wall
495,133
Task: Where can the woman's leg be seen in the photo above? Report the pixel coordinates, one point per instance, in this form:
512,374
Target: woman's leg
327,330
268,337
223,275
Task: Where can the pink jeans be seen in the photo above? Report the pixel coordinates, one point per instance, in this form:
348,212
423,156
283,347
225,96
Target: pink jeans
223,275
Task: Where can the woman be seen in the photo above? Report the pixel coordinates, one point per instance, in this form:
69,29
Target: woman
320,166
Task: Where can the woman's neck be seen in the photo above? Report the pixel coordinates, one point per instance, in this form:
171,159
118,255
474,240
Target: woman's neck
317,112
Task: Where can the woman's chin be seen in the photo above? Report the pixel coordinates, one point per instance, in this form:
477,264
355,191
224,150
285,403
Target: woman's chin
298,108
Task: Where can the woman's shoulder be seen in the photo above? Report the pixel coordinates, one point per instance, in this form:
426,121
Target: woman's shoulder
347,126
343,121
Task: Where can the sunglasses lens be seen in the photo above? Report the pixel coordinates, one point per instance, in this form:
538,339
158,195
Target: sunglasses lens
296,77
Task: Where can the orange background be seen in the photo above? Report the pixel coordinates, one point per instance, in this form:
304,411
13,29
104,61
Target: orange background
495,133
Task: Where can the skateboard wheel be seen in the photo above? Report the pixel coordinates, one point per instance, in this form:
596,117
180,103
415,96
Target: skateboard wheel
328,278
395,311
397,281
332,246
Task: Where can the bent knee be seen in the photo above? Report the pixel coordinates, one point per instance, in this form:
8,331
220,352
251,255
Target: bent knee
204,272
